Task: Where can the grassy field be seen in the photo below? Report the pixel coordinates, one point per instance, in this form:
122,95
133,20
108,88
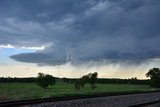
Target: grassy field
16,91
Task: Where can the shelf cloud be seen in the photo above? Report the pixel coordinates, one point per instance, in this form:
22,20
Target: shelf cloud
82,31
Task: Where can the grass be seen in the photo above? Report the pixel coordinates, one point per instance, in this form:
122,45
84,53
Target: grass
14,91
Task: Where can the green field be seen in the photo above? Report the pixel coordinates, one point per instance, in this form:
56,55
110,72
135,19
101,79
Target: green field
14,91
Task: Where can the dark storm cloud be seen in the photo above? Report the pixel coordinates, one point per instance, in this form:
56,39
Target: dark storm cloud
82,30
40,58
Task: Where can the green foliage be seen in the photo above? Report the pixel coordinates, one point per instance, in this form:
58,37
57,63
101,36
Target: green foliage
89,78
84,80
44,80
92,79
154,75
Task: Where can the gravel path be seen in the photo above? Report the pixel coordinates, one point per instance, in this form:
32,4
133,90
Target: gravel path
110,101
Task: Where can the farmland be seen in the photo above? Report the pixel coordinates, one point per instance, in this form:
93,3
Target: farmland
15,91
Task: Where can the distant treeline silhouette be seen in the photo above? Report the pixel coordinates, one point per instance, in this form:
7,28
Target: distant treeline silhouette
72,80
118,81
17,80
122,81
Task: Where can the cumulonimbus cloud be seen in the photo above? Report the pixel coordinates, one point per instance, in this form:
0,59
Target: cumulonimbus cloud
82,31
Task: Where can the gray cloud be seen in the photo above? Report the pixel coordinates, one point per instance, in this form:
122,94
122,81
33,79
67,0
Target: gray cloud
40,58
84,31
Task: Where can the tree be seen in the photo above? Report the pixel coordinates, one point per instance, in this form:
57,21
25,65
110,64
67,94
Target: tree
44,80
93,78
90,78
84,80
154,75
66,80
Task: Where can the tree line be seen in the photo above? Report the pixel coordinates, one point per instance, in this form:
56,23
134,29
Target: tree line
113,81
45,80
72,80
17,80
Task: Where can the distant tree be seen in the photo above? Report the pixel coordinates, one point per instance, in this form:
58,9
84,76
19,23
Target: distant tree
154,75
134,78
66,80
93,78
84,80
89,78
44,80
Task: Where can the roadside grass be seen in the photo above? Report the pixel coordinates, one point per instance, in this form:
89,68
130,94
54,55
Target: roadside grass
15,91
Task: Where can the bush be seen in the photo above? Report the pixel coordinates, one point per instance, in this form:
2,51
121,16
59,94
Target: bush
84,80
89,78
93,79
44,80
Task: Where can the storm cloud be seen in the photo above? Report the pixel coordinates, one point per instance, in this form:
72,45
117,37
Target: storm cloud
80,31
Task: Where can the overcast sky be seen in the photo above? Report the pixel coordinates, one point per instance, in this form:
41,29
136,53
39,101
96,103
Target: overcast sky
116,38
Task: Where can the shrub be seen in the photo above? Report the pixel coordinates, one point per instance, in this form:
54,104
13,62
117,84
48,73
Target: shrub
44,80
93,78
89,78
